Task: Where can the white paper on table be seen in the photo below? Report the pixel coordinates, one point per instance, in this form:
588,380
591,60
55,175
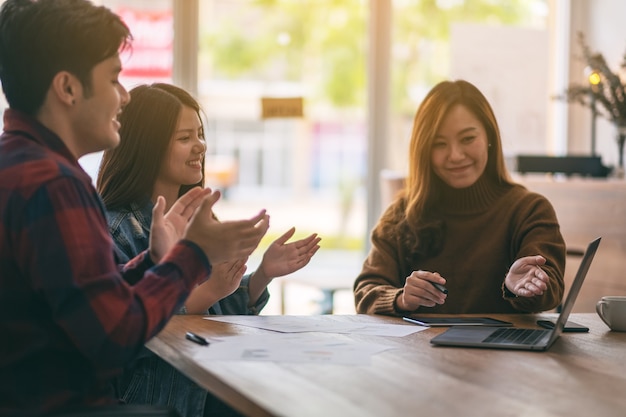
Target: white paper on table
293,324
291,347
289,324
394,330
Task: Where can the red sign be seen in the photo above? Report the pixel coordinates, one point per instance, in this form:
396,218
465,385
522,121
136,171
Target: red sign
151,55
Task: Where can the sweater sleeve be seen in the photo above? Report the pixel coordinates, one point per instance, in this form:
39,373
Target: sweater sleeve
537,232
379,283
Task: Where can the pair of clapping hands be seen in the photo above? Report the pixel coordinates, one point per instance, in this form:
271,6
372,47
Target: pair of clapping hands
191,218
226,244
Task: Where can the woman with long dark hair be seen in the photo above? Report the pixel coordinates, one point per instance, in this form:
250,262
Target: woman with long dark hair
461,223
161,153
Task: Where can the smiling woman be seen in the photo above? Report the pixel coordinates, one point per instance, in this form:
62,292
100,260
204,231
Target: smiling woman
459,152
185,156
460,221
161,154
142,164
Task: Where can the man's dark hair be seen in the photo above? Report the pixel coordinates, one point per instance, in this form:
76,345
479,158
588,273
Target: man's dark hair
40,38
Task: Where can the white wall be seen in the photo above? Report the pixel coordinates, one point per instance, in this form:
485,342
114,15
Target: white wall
518,71
510,66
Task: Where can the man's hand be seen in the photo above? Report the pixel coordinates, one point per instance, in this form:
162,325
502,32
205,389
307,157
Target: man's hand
224,241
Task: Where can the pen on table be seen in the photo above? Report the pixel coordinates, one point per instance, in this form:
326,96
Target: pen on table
440,287
196,339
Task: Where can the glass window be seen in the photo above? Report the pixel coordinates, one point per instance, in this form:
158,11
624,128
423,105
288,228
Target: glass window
428,46
307,171
310,171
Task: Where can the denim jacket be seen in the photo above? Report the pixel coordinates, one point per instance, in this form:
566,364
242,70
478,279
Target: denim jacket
151,380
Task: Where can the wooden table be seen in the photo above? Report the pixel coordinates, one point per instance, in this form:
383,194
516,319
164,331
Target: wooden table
583,374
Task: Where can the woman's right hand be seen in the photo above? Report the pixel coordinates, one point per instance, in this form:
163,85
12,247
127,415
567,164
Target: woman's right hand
224,280
419,291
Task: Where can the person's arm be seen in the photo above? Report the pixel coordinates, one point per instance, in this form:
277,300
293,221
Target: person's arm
224,280
70,262
225,277
239,301
380,283
280,259
537,232
131,232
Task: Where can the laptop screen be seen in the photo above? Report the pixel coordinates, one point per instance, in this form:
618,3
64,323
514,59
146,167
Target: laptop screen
575,289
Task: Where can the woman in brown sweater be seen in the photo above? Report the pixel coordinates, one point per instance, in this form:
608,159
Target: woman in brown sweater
461,222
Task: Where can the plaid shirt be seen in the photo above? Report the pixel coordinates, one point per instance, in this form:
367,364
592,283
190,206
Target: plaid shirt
69,321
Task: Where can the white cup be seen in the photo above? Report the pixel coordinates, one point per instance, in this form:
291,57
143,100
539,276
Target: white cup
612,311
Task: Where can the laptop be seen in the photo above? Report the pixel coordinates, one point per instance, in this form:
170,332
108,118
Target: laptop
519,338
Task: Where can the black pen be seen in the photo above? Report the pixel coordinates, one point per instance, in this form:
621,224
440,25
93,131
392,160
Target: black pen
196,339
439,287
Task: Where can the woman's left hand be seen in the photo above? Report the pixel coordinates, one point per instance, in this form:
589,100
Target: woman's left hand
526,278
282,258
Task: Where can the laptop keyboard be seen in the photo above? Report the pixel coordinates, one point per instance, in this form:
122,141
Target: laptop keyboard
515,336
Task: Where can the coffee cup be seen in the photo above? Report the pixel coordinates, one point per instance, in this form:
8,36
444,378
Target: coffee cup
612,311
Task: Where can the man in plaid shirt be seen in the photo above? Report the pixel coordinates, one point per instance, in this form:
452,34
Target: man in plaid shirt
69,321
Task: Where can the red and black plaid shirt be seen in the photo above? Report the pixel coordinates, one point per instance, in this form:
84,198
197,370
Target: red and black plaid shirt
69,321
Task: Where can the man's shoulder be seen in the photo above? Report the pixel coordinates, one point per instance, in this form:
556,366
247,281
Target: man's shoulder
22,162
26,164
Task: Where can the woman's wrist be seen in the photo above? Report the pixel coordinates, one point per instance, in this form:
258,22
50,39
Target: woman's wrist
397,303
201,298
260,276
506,292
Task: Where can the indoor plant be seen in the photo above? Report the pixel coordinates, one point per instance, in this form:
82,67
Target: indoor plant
606,89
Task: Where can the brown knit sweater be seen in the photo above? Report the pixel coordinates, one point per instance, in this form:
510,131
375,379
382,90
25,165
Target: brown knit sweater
486,227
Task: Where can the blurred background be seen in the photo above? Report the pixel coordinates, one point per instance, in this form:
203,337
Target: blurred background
360,68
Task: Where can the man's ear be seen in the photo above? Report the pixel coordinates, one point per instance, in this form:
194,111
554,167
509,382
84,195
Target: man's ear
65,87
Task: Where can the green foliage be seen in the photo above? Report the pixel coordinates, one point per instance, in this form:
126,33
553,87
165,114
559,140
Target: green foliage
327,242
242,54
327,43
421,31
